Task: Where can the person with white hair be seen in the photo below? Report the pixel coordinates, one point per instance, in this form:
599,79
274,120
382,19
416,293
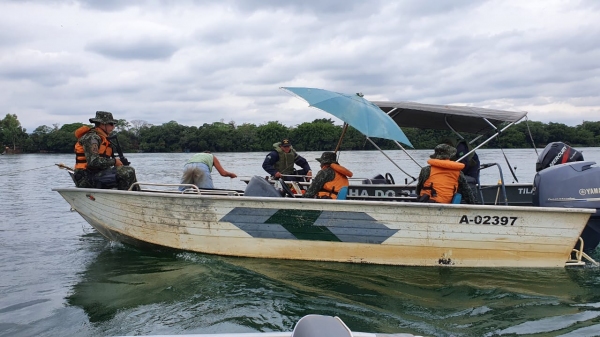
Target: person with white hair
197,171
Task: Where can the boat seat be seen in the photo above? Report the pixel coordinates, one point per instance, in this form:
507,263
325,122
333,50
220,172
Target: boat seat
343,193
321,326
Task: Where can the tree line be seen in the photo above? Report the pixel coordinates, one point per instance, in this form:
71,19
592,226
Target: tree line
318,135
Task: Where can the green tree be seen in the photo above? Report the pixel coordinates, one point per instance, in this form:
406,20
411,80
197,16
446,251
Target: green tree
594,132
62,140
246,138
39,139
189,139
12,131
270,133
559,132
535,130
320,135
137,125
122,125
162,138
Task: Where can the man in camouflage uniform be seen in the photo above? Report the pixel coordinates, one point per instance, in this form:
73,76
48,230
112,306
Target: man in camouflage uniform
330,179
427,183
96,165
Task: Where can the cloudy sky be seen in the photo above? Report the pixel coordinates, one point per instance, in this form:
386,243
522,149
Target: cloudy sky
197,62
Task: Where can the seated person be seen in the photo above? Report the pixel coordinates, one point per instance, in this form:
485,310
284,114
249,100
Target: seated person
332,177
197,170
442,178
280,162
471,161
95,162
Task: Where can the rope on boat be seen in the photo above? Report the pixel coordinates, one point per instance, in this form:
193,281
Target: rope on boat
580,256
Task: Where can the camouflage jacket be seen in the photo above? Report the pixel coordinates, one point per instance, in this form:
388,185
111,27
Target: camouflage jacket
91,142
319,180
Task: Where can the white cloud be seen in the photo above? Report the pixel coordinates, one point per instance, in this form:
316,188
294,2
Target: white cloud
199,62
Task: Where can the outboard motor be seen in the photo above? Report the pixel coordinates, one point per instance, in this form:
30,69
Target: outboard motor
260,187
557,153
572,185
378,179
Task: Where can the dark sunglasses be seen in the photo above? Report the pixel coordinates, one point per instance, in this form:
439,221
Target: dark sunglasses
111,124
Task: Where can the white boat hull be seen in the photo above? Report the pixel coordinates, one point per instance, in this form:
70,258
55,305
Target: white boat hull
393,233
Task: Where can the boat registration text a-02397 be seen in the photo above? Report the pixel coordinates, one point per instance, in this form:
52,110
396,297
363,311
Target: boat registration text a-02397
489,220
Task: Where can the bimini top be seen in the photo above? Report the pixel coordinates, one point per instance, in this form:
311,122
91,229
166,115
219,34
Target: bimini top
442,117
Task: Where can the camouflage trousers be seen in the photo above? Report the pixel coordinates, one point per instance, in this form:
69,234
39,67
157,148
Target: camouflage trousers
120,177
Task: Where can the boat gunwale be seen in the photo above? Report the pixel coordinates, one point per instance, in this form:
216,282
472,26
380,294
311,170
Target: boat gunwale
376,203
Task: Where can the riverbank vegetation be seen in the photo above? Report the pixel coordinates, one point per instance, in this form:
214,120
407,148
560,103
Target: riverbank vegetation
318,135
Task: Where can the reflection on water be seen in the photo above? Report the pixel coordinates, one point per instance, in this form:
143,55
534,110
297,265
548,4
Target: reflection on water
209,293
60,278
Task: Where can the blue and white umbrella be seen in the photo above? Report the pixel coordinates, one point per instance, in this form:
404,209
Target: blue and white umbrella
358,112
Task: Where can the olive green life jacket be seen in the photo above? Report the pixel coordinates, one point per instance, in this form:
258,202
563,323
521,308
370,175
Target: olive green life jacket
285,164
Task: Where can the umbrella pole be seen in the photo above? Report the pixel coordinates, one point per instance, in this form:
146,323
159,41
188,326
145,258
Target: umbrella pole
339,144
408,154
393,162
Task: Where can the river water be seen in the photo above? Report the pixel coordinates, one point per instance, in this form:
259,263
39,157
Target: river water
58,277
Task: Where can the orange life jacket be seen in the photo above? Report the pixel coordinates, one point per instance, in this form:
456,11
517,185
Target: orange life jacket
331,188
105,150
442,183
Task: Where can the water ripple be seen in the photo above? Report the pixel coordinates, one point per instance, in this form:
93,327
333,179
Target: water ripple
61,278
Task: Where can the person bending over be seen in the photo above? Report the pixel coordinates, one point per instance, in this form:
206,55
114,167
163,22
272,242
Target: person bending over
197,170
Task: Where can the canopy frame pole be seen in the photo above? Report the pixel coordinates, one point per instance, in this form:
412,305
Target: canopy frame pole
461,136
501,149
488,140
451,128
339,144
475,139
408,154
390,159
531,136
391,114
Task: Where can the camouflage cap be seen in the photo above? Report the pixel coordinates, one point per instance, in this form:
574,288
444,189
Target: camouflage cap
327,158
450,141
103,117
443,151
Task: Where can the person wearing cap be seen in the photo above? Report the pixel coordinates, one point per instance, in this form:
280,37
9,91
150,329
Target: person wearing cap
281,161
330,179
95,162
197,170
442,178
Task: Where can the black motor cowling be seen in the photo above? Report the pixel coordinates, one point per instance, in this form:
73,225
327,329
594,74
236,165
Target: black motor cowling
378,179
572,185
260,187
557,153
